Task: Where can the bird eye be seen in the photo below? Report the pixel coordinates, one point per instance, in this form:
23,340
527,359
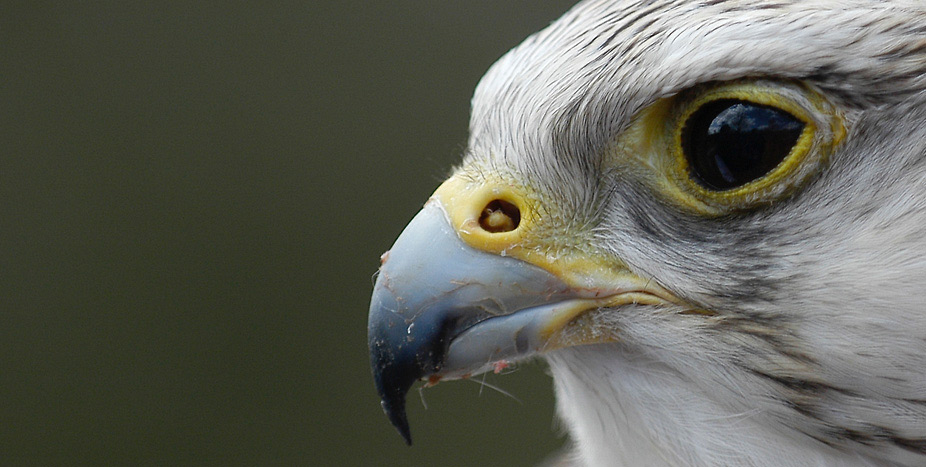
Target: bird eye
722,147
730,142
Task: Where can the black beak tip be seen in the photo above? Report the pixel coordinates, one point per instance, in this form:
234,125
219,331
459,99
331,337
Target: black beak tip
395,370
392,383
401,354
396,413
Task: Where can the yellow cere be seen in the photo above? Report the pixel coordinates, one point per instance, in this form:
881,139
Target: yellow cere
600,280
465,201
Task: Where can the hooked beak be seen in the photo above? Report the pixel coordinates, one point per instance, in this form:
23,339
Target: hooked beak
442,309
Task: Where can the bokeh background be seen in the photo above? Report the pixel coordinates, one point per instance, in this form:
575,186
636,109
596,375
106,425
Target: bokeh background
193,200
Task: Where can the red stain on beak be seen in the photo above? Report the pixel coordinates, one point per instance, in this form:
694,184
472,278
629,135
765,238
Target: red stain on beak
501,365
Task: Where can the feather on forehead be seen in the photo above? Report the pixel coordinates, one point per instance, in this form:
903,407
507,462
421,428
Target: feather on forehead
595,67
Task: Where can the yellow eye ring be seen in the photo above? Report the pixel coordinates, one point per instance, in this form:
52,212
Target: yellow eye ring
821,132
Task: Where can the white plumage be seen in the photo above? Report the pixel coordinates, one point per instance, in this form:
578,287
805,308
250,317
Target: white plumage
808,346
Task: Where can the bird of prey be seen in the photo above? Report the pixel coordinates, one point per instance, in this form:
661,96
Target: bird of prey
708,216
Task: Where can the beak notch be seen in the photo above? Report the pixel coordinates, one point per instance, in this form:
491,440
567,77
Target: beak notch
432,288
443,308
403,351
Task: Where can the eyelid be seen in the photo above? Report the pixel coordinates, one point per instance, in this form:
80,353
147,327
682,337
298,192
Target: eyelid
798,151
822,132
740,122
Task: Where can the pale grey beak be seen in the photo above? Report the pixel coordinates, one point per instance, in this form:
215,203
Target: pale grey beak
441,307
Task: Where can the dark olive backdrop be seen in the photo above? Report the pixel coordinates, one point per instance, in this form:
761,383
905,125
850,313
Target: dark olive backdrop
195,196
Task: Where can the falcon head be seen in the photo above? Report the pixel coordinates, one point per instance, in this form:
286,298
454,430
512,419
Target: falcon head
708,216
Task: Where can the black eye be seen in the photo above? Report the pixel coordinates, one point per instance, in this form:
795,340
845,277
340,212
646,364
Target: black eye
729,142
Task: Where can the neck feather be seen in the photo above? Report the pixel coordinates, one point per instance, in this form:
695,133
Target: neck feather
628,409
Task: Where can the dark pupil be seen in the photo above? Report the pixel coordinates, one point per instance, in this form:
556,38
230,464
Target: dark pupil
729,142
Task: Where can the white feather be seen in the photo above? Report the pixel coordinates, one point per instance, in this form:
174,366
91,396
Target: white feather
843,263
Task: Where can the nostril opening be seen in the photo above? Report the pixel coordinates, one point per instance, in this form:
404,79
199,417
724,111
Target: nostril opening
500,216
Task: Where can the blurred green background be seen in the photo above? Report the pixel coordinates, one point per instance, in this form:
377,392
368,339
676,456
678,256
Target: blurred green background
195,196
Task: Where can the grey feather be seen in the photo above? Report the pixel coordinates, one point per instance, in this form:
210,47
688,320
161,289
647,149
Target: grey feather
817,353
